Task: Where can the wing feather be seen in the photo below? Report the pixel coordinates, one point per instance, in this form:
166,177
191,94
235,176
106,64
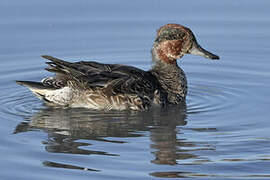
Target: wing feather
112,77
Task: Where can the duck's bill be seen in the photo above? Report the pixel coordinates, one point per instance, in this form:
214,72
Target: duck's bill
198,50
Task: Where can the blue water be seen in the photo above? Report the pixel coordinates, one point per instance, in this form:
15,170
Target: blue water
222,133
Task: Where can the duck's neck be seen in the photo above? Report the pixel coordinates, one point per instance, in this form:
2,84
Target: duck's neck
170,76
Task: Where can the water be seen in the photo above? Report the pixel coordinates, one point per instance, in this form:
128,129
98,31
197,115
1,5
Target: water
222,133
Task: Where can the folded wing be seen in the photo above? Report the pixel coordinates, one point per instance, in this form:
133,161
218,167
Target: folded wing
113,78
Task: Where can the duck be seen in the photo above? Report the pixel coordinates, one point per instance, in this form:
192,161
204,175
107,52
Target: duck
99,86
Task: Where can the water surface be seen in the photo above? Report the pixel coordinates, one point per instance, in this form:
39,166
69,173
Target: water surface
222,132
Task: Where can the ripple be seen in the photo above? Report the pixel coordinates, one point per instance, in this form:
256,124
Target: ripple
14,99
212,98
20,103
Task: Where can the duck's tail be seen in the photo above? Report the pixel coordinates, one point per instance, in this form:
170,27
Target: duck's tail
37,88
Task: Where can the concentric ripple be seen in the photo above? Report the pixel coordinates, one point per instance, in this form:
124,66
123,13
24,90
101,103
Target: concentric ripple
212,98
14,99
20,103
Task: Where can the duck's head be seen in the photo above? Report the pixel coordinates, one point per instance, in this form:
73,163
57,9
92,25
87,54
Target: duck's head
174,40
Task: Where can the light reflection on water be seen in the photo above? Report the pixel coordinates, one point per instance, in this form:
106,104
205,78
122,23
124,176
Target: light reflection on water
222,132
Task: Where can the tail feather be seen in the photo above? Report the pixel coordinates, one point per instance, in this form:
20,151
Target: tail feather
63,67
32,84
56,60
36,87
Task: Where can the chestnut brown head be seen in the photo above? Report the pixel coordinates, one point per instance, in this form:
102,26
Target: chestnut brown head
174,40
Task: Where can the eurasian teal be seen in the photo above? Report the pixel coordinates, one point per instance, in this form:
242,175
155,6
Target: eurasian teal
118,87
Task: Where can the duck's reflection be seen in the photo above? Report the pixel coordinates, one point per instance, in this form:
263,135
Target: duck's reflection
68,129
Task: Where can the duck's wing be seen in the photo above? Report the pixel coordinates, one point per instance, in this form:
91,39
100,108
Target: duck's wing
113,78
